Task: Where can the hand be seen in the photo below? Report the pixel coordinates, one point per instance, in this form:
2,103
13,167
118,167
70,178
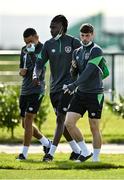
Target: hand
69,88
36,81
74,64
23,71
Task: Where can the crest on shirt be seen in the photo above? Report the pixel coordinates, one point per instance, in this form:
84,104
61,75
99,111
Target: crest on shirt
87,55
68,49
53,50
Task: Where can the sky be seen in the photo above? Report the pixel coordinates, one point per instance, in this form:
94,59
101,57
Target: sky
67,7
16,15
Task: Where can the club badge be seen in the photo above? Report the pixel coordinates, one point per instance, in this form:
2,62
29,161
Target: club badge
68,49
87,55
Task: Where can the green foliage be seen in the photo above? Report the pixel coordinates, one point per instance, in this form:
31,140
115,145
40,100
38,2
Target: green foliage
117,106
9,107
43,111
110,167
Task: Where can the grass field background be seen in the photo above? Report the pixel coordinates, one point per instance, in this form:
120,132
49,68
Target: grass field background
110,167
111,127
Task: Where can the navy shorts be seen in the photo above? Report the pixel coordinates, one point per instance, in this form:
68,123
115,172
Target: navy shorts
60,101
93,103
29,103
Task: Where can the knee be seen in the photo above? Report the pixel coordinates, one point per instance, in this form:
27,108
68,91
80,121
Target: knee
93,130
28,120
29,116
68,124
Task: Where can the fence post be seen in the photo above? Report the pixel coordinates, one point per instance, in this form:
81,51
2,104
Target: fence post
113,77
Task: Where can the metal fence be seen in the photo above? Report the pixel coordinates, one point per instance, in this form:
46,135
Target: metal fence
113,84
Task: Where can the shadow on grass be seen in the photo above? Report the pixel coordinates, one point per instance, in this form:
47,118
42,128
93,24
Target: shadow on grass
58,165
88,165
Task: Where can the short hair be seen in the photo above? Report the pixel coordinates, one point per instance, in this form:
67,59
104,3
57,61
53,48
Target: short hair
29,32
62,19
86,28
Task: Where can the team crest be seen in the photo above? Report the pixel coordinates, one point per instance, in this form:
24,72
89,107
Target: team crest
68,49
87,56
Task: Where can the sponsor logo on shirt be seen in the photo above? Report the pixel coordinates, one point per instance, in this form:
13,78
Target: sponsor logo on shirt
93,114
68,49
53,50
77,57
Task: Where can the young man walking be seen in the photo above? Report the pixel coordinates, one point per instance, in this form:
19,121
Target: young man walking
58,50
89,65
30,96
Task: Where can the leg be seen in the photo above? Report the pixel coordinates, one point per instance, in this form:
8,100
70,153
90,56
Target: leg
76,149
42,139
56,100
34,101
36,132
97,139
67,135
27,123
28,132
59,128
75,112
70,123
59,101
57,136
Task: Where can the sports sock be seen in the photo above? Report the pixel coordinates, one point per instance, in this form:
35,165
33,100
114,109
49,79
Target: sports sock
75,147
96,153
25,151
52,150
44,141
84,150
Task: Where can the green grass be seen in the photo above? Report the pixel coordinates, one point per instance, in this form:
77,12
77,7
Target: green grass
9,57
10,67
110,167
9,63
10,78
